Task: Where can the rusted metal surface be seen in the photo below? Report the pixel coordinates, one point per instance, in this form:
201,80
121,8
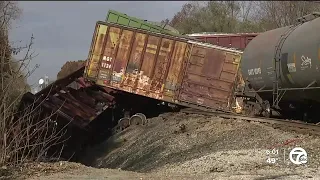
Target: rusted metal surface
70,67
163,67
95,51
238,40
136,53
73,99
175,71
75,106
209,77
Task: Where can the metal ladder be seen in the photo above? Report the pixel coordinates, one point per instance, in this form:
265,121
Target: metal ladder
277,93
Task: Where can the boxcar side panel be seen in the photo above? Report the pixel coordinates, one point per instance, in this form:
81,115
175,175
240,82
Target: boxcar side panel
239,41
108,54
212,40
224,41
147,67
119,63
236,42
140,63
161,66
133,74
136,53
95,51
150,55
209,78
175,70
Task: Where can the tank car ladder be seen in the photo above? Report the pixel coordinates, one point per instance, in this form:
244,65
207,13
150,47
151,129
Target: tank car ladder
277,92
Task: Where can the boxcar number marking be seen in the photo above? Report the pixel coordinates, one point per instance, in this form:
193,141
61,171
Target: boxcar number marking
105,58
106,63
254,71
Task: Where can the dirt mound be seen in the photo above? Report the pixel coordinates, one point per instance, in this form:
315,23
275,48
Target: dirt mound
191,144
70,67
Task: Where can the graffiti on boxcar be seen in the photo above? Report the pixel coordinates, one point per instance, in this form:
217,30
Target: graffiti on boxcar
257,71
306,62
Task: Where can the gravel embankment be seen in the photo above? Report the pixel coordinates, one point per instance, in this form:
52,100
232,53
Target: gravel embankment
197,144
180,146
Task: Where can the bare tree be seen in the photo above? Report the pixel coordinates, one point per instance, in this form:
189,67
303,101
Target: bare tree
215,16
184,20
275,14
246,9
25,132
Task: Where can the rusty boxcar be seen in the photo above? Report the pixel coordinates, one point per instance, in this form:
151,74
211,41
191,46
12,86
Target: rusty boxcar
234,40
163,67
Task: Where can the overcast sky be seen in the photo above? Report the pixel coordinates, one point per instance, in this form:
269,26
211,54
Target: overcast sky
63,30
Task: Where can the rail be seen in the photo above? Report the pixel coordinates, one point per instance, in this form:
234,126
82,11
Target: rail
312,128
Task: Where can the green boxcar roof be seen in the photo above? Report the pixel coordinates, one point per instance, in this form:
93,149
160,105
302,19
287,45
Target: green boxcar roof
123,19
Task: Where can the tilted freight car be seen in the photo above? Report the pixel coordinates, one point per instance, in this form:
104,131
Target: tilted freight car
231,40
162,67
70,104
283,66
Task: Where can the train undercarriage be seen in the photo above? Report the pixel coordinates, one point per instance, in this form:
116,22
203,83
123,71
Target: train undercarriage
251,103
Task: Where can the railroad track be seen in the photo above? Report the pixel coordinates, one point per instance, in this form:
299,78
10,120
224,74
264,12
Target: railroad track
296,125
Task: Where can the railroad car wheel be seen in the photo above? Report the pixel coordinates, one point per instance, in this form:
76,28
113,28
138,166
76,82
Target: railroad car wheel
266,113
266,110
124,123
143,117
136,120
250,111
116,129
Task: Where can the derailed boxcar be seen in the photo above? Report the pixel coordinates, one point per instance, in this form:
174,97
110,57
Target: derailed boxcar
162,67
234,40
